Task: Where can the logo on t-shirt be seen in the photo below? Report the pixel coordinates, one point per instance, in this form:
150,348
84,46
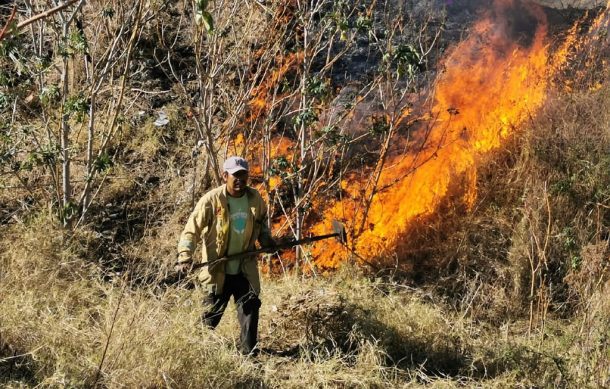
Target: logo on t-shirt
238,222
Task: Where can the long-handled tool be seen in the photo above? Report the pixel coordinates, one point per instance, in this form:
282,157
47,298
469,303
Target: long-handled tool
338,232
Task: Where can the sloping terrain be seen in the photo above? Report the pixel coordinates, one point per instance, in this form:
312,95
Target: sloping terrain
502,281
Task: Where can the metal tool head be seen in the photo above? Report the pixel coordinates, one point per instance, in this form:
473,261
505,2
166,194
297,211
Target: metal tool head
339,229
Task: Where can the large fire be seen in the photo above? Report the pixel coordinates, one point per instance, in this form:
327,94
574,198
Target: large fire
492,82
491,85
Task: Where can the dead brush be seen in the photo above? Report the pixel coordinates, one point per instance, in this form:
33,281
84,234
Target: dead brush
592,273
313,320
70,328
590,282
540,202
590,361
347,330
349,316
90,332
465,253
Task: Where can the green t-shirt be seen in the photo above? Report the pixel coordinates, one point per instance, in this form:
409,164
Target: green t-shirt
238,214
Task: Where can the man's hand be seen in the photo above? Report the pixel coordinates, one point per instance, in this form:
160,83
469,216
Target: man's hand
271,245
183,267
275,245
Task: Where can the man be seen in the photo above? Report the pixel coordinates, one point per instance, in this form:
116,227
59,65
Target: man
229,220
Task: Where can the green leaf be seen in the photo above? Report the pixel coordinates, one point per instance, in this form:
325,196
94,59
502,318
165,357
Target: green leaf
280,166
68,211
202,5
103,163
33,160
379,125
49,95
204,19
306,117
4,101
77,105
317,88
406,59
364,23
78,42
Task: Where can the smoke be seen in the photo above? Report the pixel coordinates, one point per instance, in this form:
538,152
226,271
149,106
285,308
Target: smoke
519,20
514,21
489,81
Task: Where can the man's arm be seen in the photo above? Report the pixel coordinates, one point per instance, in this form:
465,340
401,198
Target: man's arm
192,231
264,237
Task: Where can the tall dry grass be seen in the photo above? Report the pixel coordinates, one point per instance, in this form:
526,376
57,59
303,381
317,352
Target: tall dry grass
63,325
520,301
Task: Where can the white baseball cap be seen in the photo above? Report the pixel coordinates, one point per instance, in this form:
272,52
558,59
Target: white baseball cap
234,164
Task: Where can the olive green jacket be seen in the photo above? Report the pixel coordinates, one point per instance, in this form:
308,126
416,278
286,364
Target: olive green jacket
209,222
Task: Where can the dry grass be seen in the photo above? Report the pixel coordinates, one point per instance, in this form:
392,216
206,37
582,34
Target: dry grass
59,319
511,294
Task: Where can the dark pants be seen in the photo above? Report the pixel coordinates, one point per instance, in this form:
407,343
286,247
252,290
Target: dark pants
248,305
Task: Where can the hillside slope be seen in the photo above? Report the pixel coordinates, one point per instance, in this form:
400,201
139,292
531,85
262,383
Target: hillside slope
507,288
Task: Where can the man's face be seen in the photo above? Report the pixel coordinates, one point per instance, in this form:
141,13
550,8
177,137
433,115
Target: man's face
236,182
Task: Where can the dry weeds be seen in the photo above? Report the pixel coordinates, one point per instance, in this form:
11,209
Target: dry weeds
62,324
506,310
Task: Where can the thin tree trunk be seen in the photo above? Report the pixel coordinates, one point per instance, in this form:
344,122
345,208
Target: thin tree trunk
65,140
375,180
89,171
205,133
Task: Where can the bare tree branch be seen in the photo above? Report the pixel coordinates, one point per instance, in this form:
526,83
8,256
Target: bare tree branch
8,23
41,15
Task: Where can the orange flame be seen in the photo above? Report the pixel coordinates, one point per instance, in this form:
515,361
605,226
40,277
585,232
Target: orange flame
490,87
261,95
